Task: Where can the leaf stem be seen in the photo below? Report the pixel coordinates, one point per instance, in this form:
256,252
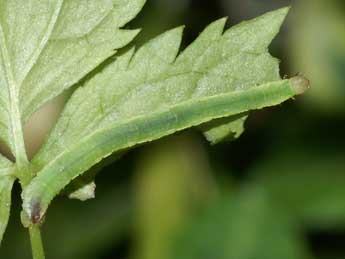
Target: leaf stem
36,242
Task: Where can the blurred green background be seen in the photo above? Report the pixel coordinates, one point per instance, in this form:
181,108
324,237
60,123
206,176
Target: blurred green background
277,192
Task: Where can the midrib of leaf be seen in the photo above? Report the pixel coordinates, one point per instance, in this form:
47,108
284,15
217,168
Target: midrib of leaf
14,115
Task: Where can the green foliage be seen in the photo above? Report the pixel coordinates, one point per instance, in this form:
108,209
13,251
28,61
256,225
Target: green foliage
139,96
149,94
6,182
47,46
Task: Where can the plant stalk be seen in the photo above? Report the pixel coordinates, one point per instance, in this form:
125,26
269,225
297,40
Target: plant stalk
36,242
18,145
25,176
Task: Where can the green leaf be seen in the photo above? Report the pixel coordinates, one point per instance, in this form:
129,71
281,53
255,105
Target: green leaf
152,80
85,192
150,94
46,46
6,182
224,129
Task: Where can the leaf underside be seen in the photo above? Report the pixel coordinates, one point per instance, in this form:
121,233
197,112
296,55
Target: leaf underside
48,46
153,79
153,92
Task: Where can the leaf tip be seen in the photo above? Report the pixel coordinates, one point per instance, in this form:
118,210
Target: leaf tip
180,29
284,11
277,17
